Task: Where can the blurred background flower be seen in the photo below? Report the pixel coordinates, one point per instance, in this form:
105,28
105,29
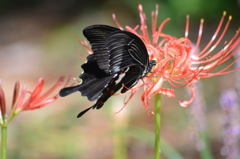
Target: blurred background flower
231,124
37,40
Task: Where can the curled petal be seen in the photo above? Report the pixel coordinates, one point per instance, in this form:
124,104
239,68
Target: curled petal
186,103
144,99
167,91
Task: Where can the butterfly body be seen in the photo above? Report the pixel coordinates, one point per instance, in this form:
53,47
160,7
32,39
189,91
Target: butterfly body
115,52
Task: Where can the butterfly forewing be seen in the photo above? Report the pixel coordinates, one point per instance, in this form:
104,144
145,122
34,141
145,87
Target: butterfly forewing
126,49
96,35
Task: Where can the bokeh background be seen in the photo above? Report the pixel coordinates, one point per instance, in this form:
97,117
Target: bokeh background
37,39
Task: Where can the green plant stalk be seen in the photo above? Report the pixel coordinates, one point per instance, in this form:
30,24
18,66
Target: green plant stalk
120,148
148,137
4,142
205,153
157,153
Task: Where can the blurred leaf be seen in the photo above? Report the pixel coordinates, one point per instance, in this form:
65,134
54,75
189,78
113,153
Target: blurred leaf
148,137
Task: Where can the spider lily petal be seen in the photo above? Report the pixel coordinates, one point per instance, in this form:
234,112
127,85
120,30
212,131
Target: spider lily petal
15,93
2,102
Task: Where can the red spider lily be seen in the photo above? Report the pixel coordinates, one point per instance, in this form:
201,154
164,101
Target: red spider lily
34,101
178,61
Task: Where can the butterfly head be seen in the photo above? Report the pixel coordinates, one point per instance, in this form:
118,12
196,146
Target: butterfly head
148,67
151,64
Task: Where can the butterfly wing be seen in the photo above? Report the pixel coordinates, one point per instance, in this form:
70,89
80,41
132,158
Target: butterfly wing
126,49
129,80
114,51
107,92
97,35
96,71
94,80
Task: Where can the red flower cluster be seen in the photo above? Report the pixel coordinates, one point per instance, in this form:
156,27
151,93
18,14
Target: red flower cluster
179,61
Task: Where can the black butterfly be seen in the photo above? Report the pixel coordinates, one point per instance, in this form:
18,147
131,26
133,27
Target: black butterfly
115,52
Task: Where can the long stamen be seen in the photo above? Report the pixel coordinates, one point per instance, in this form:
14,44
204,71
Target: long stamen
199,36
143,23
187,26
225,54
117,23
154,22
215,34
218,41
159,32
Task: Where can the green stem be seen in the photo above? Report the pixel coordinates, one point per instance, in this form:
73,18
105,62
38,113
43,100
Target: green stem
205,153
157,126
120,148
4,143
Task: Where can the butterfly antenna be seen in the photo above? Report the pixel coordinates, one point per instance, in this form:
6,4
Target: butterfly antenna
83,112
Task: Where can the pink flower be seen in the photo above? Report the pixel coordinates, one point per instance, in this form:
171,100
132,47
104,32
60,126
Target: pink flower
179,61
35,100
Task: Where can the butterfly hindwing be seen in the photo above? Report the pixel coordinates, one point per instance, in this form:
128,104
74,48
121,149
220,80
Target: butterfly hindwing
131,78
107,92
94,79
